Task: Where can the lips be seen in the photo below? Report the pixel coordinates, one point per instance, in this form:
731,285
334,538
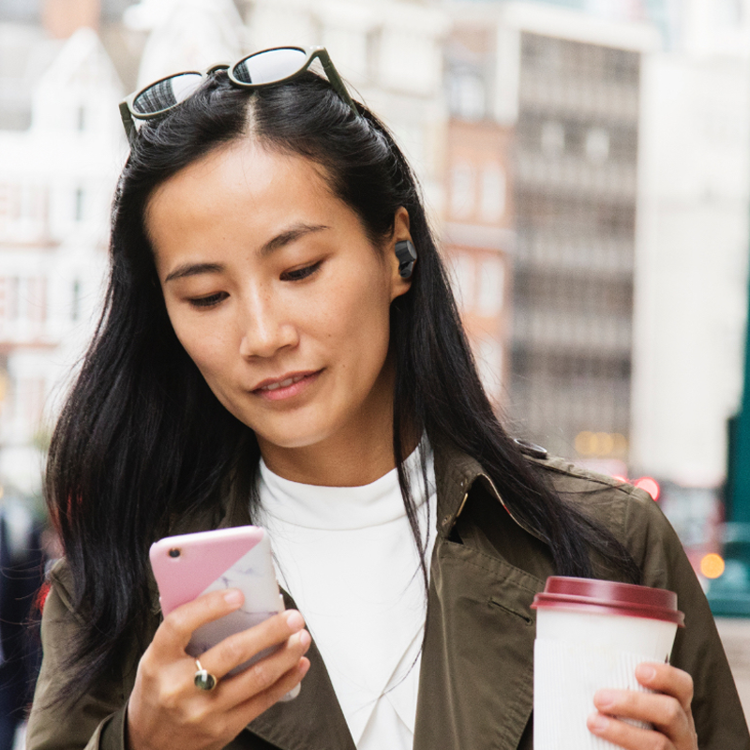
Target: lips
286,385
281,383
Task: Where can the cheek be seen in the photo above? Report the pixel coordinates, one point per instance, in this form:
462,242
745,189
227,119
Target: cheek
207,345
361,326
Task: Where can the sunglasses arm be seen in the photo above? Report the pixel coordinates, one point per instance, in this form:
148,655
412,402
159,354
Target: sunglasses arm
335,80
127,121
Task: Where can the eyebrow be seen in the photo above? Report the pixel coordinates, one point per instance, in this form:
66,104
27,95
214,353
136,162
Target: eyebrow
285,238
193,269
290,235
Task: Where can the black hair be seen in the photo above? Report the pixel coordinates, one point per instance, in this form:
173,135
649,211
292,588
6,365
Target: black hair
142,439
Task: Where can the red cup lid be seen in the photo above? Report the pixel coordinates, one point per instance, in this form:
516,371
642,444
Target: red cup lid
608,597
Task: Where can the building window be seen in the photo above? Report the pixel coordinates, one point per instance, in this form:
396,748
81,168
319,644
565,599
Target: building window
597,145
25,403
79,199
492,205
12,304
23,299
462,190
491,287
372,52
10,202
467,96
4,299
553,138
488,353
464,268
75,308
36,299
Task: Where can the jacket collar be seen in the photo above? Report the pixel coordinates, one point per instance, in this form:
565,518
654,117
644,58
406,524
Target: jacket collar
456,474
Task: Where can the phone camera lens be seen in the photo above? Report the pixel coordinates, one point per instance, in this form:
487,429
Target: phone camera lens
174,552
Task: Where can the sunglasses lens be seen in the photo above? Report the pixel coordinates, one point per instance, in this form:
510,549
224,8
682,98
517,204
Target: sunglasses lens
166,94
270,66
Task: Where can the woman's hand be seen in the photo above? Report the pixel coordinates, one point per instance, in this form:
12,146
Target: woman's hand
668,709
167,710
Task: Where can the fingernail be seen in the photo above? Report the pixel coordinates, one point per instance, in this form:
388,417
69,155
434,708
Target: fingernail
234,597
294,620
645,672
597,723
605,698
303,638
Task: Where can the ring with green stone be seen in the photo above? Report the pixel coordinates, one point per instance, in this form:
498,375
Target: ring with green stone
203,679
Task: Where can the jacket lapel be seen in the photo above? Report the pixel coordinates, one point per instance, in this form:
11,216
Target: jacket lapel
313,720
476,679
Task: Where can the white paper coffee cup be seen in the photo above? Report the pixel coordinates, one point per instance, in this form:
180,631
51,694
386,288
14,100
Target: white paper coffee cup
592,634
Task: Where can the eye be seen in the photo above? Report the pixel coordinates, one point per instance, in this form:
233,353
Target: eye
210,301
301,273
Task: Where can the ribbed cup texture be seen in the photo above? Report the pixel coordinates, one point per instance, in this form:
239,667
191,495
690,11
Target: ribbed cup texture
565,680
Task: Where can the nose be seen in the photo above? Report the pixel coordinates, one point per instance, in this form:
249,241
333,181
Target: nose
265,324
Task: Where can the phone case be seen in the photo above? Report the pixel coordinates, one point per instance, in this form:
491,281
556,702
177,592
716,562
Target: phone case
189,565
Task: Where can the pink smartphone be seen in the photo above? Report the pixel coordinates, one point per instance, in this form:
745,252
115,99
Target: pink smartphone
189,565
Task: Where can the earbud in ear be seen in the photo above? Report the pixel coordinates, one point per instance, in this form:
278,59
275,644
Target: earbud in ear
407,257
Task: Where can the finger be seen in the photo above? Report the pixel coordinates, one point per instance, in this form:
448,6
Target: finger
248,710
664,678
174,634
663,711
626,736
264,673
240,647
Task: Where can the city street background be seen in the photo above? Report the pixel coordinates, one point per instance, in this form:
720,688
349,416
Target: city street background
586,164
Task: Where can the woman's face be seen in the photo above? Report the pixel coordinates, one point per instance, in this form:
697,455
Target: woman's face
276,293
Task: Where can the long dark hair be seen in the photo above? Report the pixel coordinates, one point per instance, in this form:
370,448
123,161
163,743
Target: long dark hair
142,439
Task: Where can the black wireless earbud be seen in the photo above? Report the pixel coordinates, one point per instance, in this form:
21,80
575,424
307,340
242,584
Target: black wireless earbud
407,257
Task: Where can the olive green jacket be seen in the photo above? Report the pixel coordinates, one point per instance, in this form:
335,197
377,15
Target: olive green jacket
475,688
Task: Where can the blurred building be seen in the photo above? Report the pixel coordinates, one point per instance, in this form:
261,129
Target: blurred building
477,233
390,54
184,35
577,138
61,146
691,295
567,86
585,164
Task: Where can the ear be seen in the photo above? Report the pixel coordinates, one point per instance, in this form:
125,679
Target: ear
399,285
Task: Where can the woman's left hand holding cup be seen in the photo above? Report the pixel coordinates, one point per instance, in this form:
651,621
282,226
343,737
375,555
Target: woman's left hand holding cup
667,709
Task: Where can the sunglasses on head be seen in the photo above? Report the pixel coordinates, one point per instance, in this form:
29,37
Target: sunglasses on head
264,68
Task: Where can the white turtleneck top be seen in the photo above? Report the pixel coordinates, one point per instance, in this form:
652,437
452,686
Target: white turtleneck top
348,558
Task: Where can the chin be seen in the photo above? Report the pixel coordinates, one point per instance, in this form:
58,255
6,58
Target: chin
296,436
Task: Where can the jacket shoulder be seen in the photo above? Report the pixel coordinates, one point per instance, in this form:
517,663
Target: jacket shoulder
627,512
610,502
566,475
60,579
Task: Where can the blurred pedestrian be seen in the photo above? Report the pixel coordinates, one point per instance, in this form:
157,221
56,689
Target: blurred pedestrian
21,577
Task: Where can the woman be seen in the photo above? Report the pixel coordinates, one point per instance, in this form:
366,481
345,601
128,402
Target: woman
269,343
